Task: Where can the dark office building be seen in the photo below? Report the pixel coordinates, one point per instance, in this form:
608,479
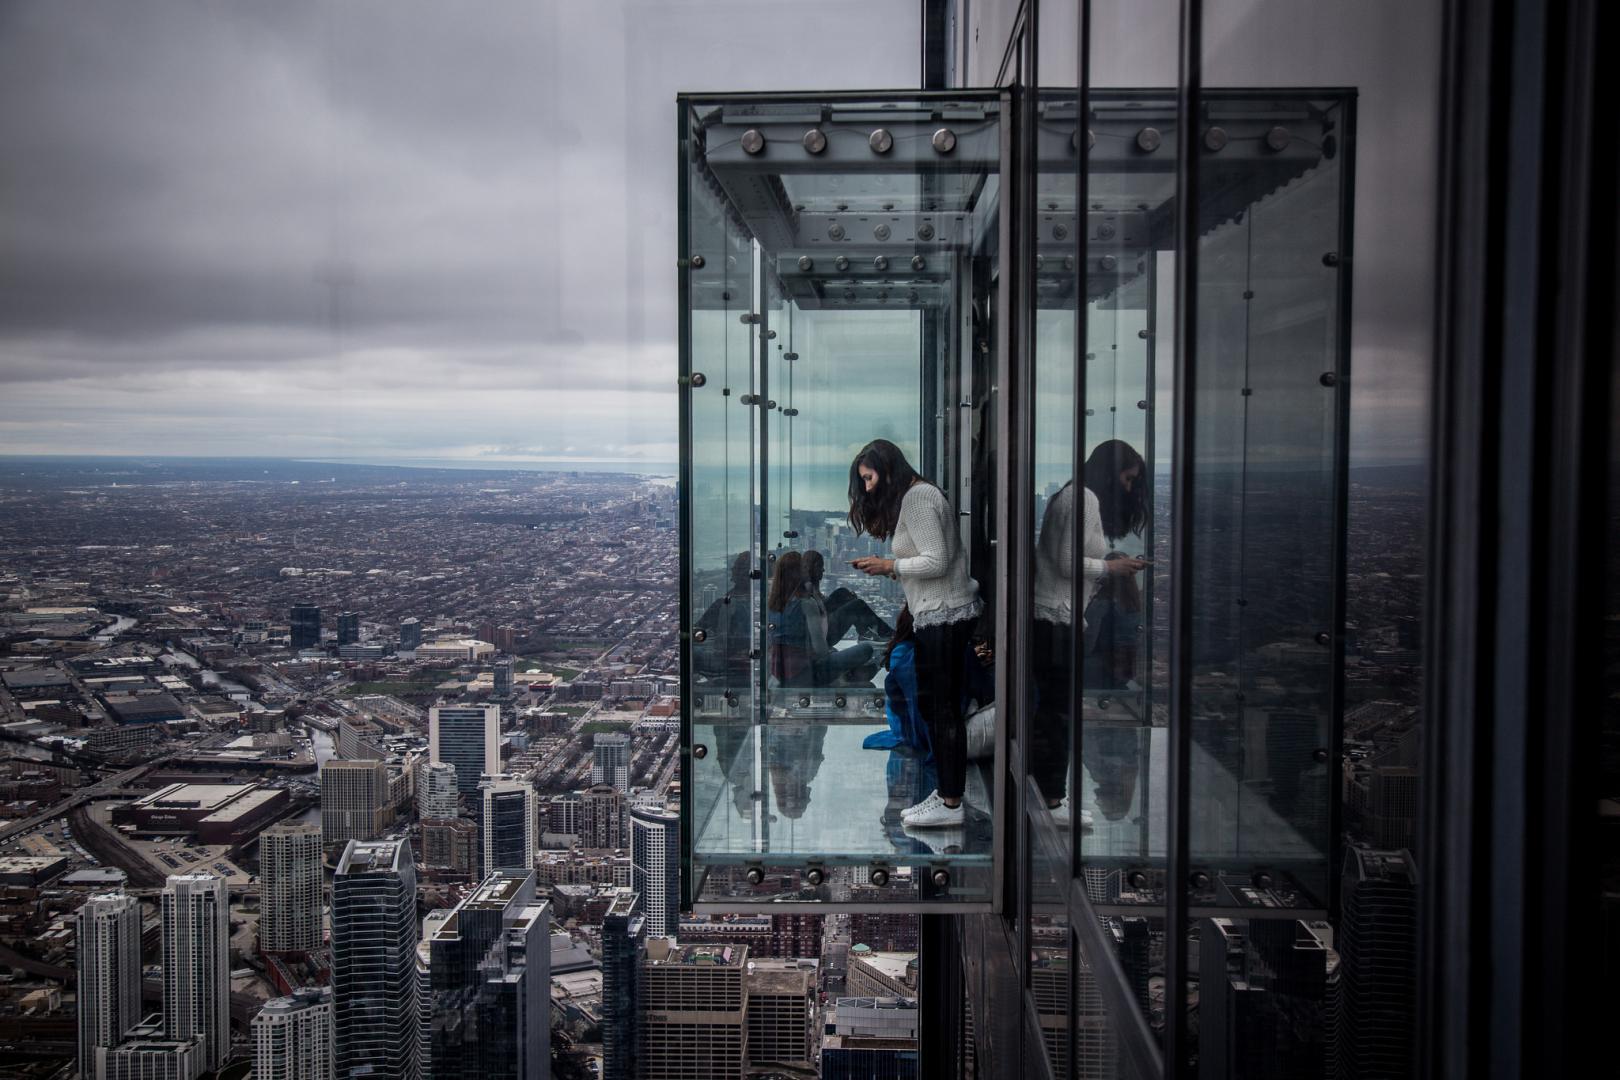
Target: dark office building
304,625
624,933
410,634
348,628
1124,281
374,936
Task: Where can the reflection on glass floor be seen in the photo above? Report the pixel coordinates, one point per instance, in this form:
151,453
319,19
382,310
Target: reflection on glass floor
824,798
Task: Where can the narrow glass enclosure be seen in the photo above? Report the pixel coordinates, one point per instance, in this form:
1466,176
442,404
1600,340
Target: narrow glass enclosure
843,281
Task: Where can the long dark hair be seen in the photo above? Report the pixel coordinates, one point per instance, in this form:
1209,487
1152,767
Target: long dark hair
1123,511
878,512
786,581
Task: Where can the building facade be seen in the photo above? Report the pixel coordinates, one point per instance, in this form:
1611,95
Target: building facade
437,798
610,759
108,929
292,1037
374,987
197,965
509,822
694,1012
655,861
467,737
624,937
292,878
356,803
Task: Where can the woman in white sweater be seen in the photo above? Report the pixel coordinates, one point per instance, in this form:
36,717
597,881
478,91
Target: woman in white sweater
1114,506
888,500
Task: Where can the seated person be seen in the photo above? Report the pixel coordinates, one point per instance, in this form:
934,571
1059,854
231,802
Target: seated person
845,611
801,653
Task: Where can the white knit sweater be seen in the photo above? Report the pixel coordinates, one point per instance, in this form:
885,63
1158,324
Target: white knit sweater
930,561
1054,556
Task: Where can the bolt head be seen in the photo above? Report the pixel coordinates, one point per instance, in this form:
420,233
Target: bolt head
881,232
836,231
699,379
880,141
925,231
814,875
919,263
806,263
1215,139
1278,138
879,877
942,878
1149,139
815,140
944,140
842,262
755,875
880,263
753,140
1108,262
697,262
700,751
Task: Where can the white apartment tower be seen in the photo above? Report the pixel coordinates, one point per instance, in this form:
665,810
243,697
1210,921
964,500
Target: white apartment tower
292,1037
197,964
109,935
436,792
291,873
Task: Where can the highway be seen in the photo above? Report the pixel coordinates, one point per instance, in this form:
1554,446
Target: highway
101,789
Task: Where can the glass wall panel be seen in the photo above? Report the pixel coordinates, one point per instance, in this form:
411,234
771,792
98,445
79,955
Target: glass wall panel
871,225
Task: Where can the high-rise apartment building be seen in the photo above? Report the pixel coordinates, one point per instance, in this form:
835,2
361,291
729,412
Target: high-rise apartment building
451,845
509,821
197,964
292,876
468,737
565,815
1377,986
410,634
602,818
655,860
489,968
292,1037
374,936
147,1052
348,628
356,803
108,929
624,937
437,798
694,1012
503,677
782,1015
610,759
304,626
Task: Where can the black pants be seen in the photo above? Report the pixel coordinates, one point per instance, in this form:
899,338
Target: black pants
940,678
1053,661
845,610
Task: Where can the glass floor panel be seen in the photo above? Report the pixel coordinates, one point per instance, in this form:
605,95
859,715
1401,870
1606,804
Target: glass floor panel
826,799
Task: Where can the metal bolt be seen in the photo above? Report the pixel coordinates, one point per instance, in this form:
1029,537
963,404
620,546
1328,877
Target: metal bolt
879,876
1068,262
755,875
1142,404
1320,754
840,701
697,262
815,140
942,878
925,231
770,335
944,140
1149,139
911,296
1330,259
1105,231
1104,702
1060,232
881,232
1215,138
1137,879
770,405
880,263
835,231
877,700
1143,334
814,875
880,141
1324,638
790,356
1327,378
919,263
1262,880
806,263
699,379
700,751
1278,138
1200,879
700,636
1108,262
842,262
804,701
753,140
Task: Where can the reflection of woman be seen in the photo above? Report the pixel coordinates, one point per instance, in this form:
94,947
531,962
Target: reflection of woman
1116,507
845,611
888,500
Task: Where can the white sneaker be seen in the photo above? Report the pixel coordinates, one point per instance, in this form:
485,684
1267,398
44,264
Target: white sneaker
927,804
937,816
1060,816
942,841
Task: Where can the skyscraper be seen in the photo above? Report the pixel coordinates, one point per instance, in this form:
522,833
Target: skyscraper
655,859
292,1036
291,875
451,844
468,737
694,1012
503,678
147,1053
304,625
197,964
348,628
374,935
410,634
610,759
624,934
602,820
508,824
781,1013
1377,986
565,814
490,970
109,940
436,798
354,800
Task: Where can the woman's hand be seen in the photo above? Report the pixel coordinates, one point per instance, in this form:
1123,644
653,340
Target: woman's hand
1127,565
876,565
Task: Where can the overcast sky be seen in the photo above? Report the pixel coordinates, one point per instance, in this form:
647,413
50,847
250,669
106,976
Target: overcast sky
422,229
